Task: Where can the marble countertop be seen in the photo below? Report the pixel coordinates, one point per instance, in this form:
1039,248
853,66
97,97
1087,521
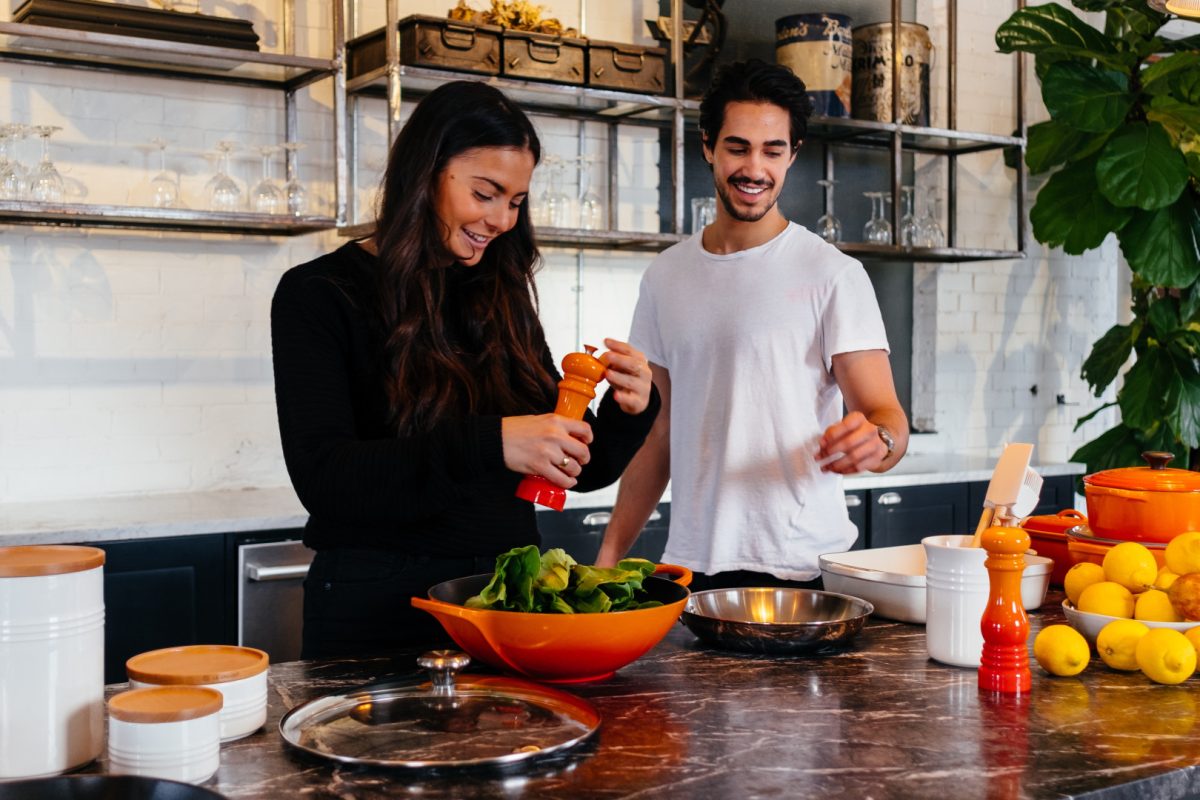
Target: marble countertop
878,720
247,510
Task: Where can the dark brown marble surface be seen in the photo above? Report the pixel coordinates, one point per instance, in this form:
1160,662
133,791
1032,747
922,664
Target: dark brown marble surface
877,720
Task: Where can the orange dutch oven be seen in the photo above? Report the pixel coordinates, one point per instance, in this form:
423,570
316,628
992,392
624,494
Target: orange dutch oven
1147,504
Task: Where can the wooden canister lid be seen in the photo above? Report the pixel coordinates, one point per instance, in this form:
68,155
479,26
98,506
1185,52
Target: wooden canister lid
196,664
31,561
165,704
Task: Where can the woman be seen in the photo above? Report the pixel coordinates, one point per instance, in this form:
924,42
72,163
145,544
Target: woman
413,381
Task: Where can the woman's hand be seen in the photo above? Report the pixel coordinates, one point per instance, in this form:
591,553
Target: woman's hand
548,445
628,373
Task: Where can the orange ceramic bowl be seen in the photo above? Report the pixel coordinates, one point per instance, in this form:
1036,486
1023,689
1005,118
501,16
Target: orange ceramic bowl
1083,546
558,648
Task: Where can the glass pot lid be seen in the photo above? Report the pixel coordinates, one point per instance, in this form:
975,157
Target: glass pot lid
450,721
1157,477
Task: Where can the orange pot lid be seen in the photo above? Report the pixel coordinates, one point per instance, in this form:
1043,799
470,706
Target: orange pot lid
165,704
1157,477
196,665
32,561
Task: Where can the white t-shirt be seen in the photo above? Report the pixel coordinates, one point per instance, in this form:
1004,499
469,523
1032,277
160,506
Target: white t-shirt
748,339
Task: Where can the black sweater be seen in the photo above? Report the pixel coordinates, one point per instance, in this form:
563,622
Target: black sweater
441,493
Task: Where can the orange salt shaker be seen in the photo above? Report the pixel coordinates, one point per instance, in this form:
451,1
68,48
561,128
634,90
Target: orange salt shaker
581,373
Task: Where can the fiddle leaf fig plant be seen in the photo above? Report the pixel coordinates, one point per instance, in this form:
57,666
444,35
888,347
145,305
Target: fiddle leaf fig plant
1122,147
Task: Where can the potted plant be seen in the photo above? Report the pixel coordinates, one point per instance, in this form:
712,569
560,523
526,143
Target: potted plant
1123,140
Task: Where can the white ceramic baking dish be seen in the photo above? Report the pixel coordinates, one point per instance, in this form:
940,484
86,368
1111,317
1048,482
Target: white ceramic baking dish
893,579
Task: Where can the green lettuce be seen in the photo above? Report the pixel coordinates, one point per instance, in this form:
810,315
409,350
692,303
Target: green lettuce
554,583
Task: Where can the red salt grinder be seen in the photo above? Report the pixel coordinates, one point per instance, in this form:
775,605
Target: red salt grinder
581,373
1004,664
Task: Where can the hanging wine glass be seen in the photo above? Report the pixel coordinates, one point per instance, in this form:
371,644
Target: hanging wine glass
877,230
294,192
164,191
829,227
45,182
556,204
929,228
591,206
908,222
11,173
223,192
267,197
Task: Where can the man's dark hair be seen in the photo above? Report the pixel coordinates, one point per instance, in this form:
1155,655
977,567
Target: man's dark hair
755,81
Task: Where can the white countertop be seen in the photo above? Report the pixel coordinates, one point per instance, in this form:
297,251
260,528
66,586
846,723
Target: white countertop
240,511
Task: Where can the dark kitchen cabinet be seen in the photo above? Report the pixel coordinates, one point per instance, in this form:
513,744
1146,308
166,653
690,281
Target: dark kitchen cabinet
906,515
162,593
1058,493
856,507
580,531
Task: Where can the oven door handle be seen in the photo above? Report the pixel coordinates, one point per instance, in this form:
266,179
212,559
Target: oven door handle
286,572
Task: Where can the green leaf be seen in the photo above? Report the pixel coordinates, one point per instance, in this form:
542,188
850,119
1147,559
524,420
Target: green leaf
1079,423
1042,63
1050,144
1071,213
1164,318
1189,307
1116,447
1162,438
1086,98
1161,246
1141,168
1142,397
1181,44
1055,30
1153,75
1108,355
1095,5
1180,120
1186,87
1137,20
1183,405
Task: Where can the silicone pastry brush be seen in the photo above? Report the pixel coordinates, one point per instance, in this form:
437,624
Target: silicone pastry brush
1012,487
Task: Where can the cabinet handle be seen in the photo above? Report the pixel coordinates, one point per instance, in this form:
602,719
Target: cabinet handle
853,501
890,499
598,518
285,573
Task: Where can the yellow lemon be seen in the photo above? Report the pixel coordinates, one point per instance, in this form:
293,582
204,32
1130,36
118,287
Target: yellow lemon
1183,553
1117,643
1193,636
1132,565
1079,577
1166,656
1154,605
1106,597
1165,579
1061,650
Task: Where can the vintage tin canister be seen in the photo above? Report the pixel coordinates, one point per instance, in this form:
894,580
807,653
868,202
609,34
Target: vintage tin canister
873,72
818,48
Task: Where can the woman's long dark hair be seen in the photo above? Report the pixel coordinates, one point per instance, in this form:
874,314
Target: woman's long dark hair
481,350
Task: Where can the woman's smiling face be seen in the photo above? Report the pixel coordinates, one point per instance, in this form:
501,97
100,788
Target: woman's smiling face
479,194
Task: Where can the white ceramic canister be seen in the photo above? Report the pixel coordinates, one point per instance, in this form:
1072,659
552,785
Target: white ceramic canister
51,659
238,673
956,595
171,732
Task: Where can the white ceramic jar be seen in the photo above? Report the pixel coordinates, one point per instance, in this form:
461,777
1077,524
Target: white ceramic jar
171,732
956,595
238,673
51,659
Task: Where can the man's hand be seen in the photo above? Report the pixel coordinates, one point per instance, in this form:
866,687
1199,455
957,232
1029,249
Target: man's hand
853,444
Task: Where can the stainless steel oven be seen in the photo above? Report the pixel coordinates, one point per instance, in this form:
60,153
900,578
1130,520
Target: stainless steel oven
270,596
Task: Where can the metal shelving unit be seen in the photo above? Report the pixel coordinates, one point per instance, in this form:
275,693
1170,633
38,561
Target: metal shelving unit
281,72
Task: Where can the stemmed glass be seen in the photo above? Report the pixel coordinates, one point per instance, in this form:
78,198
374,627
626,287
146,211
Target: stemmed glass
909,228
266,196
591,207
877,230
45,183
829,227
164,191
11,173
223,192
556,205
929,228
296,194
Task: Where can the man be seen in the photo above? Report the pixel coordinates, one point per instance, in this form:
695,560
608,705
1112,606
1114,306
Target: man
756,331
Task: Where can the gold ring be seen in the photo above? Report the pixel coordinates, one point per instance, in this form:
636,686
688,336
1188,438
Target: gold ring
566,460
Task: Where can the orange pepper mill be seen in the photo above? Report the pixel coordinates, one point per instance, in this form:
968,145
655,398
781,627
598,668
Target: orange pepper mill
1004,663
581,373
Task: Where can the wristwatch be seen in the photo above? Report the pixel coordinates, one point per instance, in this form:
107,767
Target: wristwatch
886,436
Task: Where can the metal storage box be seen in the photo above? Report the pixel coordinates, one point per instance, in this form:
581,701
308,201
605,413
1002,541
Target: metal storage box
427,41
542,57
631,67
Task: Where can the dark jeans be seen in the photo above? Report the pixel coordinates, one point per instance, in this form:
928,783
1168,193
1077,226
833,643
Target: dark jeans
357,602
729,580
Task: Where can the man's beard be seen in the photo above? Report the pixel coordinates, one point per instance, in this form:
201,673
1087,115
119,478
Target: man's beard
723,193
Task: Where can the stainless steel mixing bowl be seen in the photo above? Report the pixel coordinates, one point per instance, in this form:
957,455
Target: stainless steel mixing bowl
774,620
